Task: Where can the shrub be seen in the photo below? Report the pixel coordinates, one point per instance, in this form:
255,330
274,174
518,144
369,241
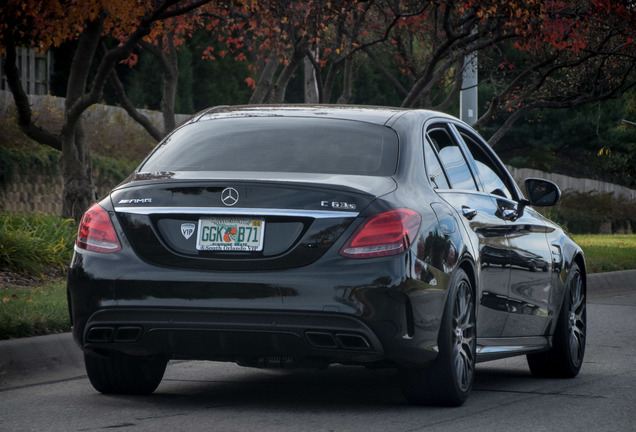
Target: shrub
32,242
593,213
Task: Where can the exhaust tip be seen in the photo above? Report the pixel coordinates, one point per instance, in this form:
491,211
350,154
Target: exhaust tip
99,334
127,334
352,342
321,339
122,334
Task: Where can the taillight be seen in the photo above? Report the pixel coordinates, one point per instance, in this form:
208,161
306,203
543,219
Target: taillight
388,233
96,232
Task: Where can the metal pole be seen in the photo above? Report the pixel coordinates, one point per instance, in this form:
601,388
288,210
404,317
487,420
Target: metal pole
468,96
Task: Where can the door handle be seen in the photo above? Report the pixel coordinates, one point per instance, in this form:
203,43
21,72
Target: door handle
468,212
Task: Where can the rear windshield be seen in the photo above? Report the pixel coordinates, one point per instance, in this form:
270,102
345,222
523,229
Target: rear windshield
275,144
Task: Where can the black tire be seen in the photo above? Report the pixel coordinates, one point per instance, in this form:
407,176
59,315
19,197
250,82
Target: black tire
565,358
124,374
449,379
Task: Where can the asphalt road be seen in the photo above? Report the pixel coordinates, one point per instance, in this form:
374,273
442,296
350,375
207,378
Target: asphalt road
224,397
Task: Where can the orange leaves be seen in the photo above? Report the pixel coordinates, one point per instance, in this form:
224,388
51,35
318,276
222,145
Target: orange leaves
251,83
131,60
52,22
208,53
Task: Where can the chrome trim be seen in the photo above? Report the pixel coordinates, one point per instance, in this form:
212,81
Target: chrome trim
503,349
316,214
494,350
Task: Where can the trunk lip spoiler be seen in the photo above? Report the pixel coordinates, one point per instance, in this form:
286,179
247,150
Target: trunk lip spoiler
212,211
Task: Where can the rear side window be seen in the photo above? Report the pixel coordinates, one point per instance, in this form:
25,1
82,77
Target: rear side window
452,159
275,144
434,169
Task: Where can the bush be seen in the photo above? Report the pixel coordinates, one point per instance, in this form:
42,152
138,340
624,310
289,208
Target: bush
32,242
593,213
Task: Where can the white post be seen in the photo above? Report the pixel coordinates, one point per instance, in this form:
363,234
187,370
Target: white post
468,96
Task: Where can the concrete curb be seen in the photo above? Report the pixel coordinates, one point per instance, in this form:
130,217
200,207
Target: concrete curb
23,361
611,283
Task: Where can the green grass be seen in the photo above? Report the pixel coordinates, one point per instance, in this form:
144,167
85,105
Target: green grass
33,311
605,253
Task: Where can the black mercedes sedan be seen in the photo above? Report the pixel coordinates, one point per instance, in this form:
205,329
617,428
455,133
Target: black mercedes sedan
304,236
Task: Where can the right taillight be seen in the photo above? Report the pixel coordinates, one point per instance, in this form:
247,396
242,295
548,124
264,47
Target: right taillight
96,232
388,233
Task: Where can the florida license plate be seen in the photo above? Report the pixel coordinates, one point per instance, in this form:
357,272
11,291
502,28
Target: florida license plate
230,234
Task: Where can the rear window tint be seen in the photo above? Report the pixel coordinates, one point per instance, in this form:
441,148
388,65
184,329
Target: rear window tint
304,145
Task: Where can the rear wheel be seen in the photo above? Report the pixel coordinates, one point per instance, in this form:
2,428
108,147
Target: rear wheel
448,381
565,358
124,374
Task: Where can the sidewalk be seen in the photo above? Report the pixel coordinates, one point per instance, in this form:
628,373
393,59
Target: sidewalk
22,361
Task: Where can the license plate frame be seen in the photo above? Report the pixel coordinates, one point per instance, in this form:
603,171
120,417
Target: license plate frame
230,234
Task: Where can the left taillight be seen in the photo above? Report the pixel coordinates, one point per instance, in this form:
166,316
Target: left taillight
388,233
96,232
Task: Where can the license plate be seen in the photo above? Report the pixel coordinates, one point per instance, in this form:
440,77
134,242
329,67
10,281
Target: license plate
230,234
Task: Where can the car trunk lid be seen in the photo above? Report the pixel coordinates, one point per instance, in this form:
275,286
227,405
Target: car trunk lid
233,224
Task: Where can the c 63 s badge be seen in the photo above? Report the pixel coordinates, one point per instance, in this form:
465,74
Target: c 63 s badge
338,205
187,229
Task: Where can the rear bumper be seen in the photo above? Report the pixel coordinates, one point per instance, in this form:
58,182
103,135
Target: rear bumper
232,335
357,312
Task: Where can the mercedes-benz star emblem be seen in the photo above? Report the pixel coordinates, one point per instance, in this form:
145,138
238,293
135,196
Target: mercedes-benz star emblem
229,196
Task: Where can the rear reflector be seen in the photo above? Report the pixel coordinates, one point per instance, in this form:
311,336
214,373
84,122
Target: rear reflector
389,233
96,232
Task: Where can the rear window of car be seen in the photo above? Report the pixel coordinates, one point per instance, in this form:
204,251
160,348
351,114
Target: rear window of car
275,144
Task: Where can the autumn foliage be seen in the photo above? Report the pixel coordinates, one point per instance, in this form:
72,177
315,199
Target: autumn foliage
533,53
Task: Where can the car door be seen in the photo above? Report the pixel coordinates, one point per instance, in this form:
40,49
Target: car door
451,176
530,261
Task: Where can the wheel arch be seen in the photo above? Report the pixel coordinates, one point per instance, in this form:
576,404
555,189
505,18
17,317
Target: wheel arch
468,265
580,261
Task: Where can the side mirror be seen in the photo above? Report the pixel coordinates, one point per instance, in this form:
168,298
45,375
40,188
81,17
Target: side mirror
542,193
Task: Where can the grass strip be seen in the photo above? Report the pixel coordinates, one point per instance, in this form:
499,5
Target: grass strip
33,311
606,253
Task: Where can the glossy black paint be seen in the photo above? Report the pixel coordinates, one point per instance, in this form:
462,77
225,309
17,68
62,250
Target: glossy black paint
299,299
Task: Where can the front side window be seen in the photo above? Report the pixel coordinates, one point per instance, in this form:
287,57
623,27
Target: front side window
494,182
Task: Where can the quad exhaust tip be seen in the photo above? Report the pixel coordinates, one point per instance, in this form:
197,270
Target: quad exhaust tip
348,341
121,334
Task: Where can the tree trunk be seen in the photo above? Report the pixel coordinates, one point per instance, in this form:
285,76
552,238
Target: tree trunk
346,82
279,89
79,190
311,83
170,66
266,81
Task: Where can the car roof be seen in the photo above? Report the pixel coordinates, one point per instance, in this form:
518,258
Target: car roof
370,114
